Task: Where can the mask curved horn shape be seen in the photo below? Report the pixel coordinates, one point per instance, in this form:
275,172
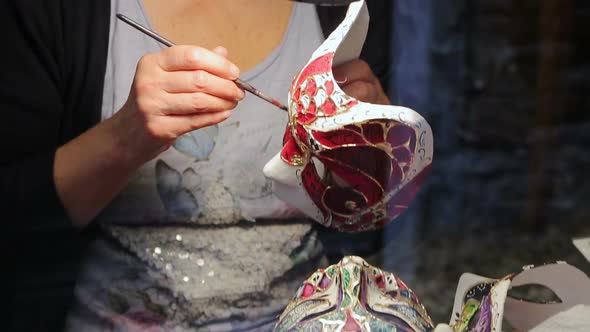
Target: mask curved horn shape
349,165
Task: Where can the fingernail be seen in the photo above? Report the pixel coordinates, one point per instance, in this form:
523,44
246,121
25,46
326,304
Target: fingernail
340,79
241,94
234,71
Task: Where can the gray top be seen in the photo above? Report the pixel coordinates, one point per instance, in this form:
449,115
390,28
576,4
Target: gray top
186,250
212,175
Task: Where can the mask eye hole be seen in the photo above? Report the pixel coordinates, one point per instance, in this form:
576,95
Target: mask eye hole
307,291
380,282
393,294
325,282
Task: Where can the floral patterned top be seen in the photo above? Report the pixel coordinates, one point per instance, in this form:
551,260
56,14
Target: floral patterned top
197,241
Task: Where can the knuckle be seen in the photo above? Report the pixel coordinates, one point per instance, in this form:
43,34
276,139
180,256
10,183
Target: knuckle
193,56
199,102
148,63
148,105
365,90
143,103
155,130
152,129
200,80
364,68
142,87
144,61
146,84
360,90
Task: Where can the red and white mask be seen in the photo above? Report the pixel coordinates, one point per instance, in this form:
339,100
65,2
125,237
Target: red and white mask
349,165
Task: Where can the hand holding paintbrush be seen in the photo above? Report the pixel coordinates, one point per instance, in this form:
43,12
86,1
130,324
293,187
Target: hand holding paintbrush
175,90
244,85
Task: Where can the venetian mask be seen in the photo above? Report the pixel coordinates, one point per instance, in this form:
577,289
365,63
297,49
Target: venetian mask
354,296
349,165
481,304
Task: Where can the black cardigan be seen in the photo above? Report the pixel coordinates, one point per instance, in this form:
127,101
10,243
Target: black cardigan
51,83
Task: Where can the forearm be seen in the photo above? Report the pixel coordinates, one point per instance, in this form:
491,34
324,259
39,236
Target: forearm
177,90
94,167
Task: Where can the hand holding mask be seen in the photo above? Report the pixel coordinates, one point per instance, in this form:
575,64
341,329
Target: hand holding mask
349,165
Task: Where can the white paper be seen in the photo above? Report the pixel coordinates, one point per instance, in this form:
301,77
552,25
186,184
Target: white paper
583,244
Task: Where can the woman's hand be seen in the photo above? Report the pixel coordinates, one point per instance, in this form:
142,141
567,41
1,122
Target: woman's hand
358,80
175,91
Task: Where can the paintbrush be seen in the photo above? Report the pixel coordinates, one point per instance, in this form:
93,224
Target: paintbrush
244,85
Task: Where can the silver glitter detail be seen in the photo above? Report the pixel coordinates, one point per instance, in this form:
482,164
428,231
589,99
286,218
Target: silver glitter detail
168,266
186,279
221,251
157,250
183,255
178,237
200,262
211,273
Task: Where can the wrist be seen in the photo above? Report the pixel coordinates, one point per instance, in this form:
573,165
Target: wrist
131,145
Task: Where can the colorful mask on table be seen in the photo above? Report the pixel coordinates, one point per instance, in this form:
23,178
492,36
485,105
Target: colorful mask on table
481,304
347,164
354,296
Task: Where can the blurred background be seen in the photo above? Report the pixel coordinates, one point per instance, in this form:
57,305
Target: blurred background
505,86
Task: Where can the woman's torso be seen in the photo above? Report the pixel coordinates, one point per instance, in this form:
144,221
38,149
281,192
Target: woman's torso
249,29
183,249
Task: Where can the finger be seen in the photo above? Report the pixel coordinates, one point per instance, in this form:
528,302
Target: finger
194,103
183,124
361,90
194,58
355,70
201,81
223,52
220,50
